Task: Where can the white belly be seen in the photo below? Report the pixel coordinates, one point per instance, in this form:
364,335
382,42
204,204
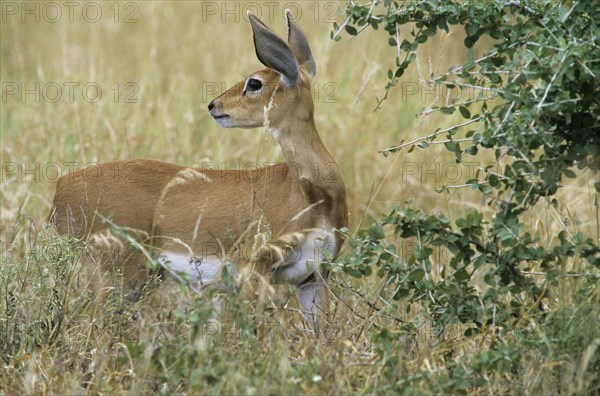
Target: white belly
318,247
198,270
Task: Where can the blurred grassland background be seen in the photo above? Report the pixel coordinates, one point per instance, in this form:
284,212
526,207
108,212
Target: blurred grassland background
176,58
170,58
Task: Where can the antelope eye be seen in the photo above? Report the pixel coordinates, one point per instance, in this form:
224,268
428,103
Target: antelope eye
254,85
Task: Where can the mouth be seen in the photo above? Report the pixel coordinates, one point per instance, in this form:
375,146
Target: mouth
224,120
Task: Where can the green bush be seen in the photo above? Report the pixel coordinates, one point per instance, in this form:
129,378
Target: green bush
538,111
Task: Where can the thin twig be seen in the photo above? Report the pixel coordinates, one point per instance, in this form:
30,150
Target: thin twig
563,275
518,4
452,141
417,140
342,27
541,104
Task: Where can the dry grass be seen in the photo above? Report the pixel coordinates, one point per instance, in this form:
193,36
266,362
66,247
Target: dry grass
173,58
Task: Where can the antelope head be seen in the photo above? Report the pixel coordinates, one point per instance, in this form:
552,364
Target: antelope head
281,91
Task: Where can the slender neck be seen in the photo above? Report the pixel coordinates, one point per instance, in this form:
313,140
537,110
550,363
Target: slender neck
305,153
308,159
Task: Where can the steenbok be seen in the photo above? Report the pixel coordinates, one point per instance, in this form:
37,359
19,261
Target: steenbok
186,218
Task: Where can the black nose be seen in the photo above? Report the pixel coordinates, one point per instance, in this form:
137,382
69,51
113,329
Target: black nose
210,106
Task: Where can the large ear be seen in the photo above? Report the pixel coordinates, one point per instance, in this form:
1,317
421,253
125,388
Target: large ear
274,53
299,45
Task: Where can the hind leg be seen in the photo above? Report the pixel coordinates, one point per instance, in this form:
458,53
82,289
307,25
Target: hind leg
113,266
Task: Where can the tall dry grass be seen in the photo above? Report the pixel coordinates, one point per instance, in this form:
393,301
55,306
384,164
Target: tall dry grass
171,62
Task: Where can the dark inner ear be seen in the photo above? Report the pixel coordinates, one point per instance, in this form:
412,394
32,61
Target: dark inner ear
274,53
299,46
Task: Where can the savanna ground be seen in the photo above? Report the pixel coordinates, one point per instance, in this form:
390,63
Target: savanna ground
157,65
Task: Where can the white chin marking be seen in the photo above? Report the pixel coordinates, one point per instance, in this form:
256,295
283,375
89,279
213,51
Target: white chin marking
309,257
198,270
225,122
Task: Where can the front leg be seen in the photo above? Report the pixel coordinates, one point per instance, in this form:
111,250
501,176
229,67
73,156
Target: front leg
313,299
297,259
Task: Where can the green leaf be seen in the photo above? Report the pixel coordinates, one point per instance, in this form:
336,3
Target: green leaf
421,38
479,261
416,275
353,272
494,78
405,46
485,188
351,30
401,293
489,279
464,112
473,183
569,173
462,274
450,146
471,29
